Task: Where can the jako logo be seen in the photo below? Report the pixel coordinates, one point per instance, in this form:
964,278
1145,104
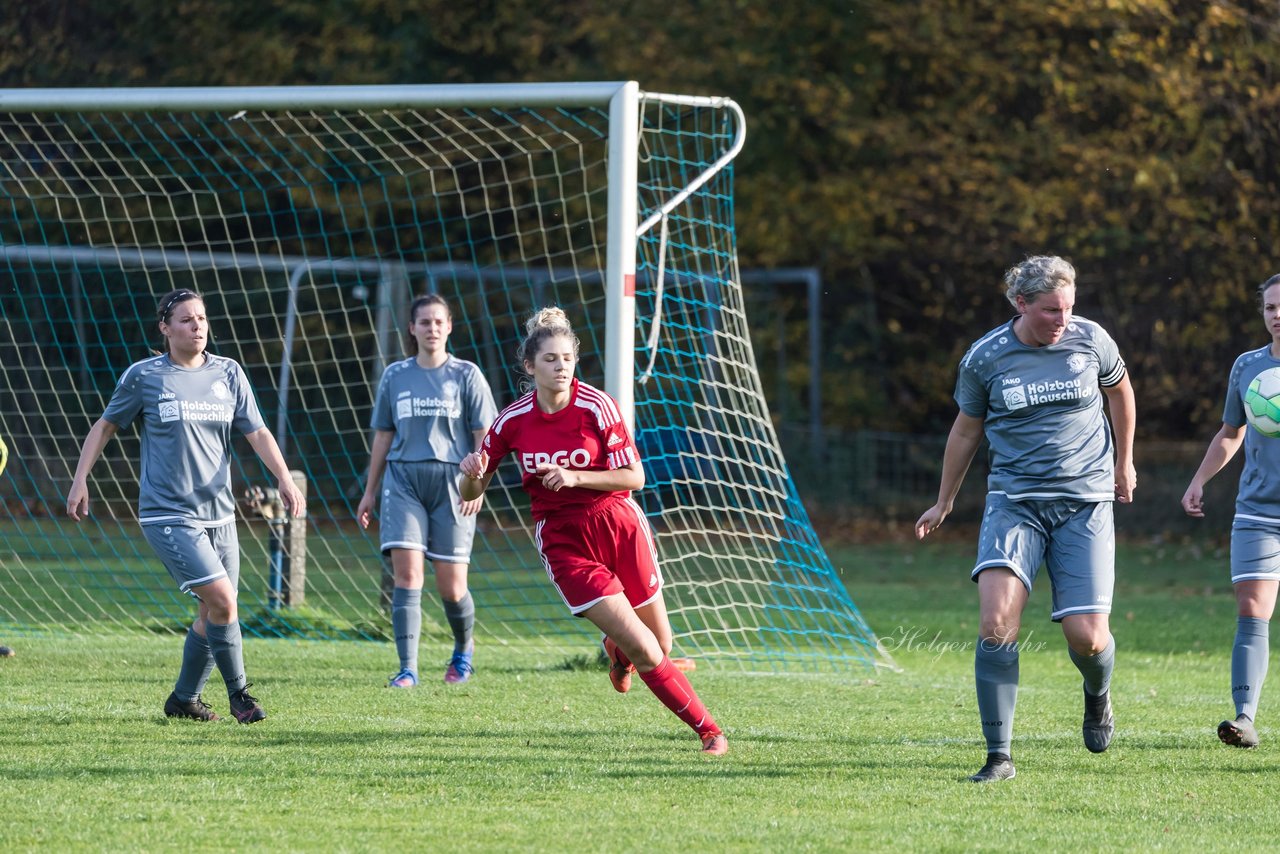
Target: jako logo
576,459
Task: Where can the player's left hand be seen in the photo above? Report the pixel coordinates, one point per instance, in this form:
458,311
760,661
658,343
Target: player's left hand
1126,483
556,478
78,501
294,503
929,521
472,507
364,512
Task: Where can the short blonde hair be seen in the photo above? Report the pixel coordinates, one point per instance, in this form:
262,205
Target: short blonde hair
1038,274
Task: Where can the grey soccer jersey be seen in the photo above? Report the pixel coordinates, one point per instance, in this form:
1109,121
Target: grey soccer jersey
1259,495
1042,411
432,411
187,417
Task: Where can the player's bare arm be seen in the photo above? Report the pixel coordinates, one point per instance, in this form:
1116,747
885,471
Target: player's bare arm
962,443
627,478
378,450
78,494
470,507
264,445
1123,419
1222,448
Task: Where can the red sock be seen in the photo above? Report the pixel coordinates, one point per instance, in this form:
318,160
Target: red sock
673,689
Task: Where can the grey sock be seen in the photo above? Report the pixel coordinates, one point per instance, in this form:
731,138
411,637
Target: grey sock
1249,657
1096,669
462,619
995,670
197,664
406,623
228,653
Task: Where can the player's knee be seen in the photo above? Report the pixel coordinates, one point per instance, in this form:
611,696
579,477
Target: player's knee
1255,607
998,630
1086,648
648,661
644,653
223,616
1088,641
220,608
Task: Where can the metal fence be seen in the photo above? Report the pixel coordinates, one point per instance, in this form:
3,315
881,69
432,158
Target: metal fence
889,479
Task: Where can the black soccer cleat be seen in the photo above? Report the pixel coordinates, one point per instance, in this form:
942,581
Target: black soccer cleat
1099,721
245,707
999,767
1238,733
6,652
196,710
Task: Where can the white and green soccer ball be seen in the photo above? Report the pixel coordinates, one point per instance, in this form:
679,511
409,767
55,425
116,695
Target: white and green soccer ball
1262,403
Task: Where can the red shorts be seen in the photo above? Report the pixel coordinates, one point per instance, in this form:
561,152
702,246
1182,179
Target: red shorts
604,551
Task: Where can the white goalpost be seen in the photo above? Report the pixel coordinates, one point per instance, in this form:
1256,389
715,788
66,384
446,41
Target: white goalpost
308,217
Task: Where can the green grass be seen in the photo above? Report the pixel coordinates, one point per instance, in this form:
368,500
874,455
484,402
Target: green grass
539,754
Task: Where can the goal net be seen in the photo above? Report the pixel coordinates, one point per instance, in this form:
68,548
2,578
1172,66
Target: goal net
308,218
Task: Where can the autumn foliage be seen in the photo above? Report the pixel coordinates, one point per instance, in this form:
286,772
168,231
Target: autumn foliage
912,150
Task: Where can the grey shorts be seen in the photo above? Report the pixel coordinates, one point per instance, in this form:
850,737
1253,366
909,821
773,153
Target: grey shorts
1074,539
1255,550
196,555
420,511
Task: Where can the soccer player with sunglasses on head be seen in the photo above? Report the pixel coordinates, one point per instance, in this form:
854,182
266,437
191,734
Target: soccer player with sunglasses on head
188,402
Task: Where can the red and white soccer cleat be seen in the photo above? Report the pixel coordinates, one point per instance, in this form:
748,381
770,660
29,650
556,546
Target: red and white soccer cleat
714,744
620,670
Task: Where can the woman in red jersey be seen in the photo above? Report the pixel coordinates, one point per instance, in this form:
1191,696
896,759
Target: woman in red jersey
579,465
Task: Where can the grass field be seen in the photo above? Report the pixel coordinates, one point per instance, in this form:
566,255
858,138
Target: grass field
541,755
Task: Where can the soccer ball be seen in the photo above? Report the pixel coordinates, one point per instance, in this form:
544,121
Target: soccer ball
1262,403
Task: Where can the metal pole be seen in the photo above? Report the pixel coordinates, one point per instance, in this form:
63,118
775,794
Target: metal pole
235,98
812,280
77,289
384,320
275,562
620,256
286,359
815,364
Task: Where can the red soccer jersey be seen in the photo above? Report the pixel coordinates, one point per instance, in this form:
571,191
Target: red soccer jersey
588,434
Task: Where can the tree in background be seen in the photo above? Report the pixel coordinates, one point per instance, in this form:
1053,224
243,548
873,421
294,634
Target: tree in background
910,150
